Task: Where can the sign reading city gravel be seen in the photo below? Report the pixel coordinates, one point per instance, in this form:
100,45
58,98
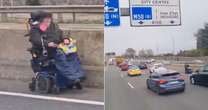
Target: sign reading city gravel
155,12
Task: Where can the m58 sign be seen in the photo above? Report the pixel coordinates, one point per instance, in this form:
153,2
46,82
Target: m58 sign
155,12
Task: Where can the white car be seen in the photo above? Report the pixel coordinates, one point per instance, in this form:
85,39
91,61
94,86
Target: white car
152,60
111,61
156,66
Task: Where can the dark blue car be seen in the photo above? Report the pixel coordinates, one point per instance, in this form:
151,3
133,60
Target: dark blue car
142,66
169,81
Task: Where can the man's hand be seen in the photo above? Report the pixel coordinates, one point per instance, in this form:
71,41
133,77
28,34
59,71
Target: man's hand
52,44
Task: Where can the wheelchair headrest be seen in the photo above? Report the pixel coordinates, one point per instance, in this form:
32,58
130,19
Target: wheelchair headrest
39,15
35,16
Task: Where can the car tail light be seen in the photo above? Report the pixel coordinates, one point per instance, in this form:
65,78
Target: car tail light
162,81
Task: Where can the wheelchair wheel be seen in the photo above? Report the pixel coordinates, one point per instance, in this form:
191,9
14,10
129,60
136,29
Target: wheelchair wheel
32,85
56,90
43,84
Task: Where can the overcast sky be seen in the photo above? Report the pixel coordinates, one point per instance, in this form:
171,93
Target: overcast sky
160,39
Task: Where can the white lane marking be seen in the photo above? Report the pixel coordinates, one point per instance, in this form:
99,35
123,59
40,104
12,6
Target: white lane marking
52,98
130,85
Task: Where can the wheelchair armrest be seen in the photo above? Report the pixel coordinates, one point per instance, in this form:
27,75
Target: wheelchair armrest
27,35
34,55
52,61
29,49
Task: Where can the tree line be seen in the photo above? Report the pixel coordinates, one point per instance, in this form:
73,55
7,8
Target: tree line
201,44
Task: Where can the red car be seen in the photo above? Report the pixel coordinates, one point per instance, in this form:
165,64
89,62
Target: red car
124,67
121,64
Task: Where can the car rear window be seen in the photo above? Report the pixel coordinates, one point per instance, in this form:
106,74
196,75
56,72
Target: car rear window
134,67
170,74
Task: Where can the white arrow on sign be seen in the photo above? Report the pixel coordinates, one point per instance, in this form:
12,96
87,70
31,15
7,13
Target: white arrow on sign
108,22
106,2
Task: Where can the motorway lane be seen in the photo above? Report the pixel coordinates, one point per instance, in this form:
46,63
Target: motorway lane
22,103
121,96
19,86
18,102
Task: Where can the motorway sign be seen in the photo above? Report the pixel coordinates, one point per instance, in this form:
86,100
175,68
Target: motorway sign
155,12
111,13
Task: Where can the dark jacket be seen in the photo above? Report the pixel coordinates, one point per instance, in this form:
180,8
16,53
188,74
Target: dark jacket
52,34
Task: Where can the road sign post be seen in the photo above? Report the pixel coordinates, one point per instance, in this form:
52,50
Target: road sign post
155,12
111,13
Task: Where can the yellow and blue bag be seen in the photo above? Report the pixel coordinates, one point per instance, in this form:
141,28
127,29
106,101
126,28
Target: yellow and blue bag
68,49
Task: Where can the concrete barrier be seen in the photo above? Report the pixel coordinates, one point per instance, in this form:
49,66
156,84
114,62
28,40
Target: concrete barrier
182,59
180,67
14,59
52,2
81,14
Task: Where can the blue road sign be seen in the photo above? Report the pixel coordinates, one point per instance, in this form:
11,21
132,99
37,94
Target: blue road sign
155,13
142,13
111,13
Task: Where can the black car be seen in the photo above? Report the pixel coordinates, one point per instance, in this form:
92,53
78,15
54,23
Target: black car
201,76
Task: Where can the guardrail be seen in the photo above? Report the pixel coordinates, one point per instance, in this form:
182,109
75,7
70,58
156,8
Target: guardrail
59,10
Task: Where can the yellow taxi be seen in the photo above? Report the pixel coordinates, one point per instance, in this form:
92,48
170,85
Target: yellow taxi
134,71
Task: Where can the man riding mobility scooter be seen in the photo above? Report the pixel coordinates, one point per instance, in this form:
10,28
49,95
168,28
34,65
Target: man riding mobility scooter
54,59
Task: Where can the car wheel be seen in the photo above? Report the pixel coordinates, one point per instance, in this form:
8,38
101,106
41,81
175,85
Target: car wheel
56,90
192,81
158,92
183,90
32,85
147,85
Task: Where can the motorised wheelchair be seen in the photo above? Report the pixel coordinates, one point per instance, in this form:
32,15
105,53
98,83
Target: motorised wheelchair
46,78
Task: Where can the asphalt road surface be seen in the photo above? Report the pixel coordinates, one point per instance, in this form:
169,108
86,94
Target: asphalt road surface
22,103
130,93
19,102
